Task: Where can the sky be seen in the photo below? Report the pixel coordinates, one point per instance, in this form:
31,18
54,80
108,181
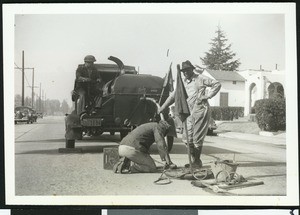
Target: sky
54,44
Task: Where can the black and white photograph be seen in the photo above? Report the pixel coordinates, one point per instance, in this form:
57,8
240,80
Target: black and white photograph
150,104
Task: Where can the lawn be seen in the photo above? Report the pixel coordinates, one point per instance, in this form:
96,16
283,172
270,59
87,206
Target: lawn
238,126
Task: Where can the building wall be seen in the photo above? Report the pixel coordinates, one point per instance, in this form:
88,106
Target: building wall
261,79
235,94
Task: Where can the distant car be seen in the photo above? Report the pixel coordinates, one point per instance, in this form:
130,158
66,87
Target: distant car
25,114
212,126
40,115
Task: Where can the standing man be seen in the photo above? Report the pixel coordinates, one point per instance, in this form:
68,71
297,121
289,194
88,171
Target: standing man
135,147
198,121
88,85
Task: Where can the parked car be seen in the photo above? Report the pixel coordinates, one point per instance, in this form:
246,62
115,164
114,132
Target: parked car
40,115
212,126
25,114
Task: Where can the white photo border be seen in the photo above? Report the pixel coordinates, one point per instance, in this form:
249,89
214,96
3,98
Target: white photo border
288,9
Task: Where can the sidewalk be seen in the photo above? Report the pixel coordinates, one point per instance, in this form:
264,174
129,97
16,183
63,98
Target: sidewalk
277,140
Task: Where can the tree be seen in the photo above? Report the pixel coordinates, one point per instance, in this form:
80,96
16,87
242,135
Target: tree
18,100
220,56
64,107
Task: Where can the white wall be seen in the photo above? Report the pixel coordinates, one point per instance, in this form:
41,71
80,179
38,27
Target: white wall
236,94
262,80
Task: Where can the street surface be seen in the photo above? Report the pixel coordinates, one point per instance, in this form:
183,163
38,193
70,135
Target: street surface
41,170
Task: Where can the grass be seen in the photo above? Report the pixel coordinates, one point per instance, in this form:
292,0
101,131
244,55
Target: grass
238,126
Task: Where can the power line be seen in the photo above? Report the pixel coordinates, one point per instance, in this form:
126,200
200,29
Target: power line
17,67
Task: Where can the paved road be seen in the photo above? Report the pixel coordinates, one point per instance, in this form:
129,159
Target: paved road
42,170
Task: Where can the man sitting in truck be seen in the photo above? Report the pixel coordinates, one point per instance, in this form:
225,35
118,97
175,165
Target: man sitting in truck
135,147
88,86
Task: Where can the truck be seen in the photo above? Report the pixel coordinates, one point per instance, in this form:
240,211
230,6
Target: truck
129,99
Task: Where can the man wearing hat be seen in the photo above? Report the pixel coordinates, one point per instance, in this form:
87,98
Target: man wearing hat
135,147
88,85
198,121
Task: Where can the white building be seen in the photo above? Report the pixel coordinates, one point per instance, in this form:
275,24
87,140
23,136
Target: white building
261,84
232,92
243,88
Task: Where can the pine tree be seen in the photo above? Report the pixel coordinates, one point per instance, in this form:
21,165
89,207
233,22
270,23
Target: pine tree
220,56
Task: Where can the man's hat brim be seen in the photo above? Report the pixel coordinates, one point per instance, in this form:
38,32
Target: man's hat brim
187,68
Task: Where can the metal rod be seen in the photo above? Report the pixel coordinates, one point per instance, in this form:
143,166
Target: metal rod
188,147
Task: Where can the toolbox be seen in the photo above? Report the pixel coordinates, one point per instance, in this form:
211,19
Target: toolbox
110,157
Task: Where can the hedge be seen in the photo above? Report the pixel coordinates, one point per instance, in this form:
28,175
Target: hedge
270,114
226,113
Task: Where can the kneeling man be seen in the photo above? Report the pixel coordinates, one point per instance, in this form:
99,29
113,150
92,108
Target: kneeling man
135,147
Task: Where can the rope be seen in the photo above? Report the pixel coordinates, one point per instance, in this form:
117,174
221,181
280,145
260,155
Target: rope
163,179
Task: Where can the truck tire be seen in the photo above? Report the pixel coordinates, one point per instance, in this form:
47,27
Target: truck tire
70,144
170,141
123,134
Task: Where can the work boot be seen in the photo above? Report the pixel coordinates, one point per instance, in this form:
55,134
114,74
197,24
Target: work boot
170,166
196,161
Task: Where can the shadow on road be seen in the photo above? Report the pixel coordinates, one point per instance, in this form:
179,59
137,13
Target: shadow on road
263,176
83,149
260,163
40,141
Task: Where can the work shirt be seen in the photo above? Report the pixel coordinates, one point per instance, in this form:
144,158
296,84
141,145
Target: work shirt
142,137
196,90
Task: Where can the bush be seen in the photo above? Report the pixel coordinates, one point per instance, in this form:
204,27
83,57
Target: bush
226,113
270,114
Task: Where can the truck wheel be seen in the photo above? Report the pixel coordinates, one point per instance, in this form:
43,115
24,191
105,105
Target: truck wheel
70,144
170,141
123,134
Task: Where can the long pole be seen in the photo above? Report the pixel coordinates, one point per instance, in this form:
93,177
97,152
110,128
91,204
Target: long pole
23,78
32,90
188,147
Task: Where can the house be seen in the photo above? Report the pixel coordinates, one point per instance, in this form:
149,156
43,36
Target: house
262,84
232,92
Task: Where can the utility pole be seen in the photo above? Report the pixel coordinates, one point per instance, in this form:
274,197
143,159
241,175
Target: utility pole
40,101
43,102
45,107
23,78
32,87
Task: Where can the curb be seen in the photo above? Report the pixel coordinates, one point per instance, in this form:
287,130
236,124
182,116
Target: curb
253,137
